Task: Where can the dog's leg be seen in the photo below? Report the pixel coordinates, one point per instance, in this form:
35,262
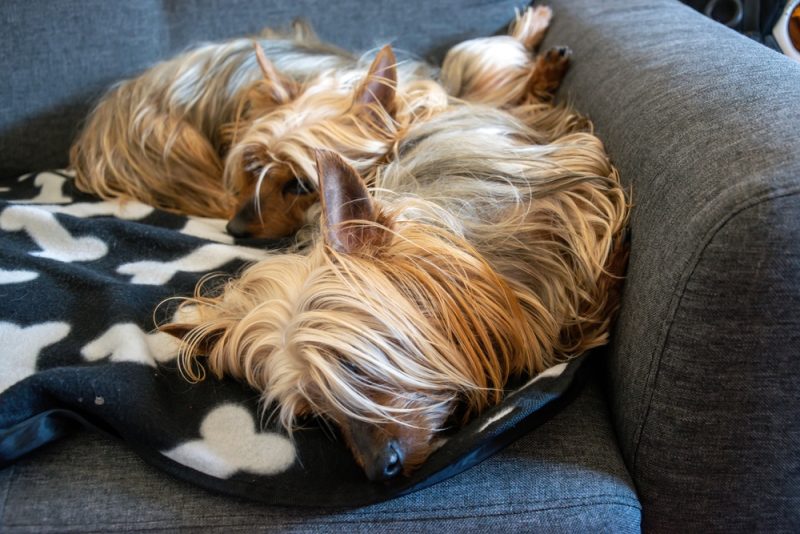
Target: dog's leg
497,70
530,26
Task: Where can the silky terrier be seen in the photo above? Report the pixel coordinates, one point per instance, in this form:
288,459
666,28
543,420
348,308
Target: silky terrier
229,130
488,248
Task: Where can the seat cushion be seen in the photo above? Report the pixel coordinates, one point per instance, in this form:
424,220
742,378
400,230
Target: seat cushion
567,475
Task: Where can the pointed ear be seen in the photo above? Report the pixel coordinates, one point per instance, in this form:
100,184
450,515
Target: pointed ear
280,89
345,200
380,85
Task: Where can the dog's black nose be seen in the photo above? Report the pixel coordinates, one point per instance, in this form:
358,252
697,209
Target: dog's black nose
387,463
393,463
237,228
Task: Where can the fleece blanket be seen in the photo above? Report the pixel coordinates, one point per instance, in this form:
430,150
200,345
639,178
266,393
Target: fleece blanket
80,279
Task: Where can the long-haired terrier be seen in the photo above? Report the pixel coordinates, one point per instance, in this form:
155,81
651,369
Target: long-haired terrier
488,248
228,130
198,134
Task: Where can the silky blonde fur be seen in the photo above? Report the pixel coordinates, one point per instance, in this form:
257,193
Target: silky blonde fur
158,138
502,70
488,246
280,143
163,138
491,254
203,133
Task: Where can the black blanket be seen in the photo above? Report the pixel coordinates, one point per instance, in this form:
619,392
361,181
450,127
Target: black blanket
79,281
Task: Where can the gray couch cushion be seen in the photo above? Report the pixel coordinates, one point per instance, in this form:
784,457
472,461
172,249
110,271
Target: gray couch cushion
60,56
567,476
703,123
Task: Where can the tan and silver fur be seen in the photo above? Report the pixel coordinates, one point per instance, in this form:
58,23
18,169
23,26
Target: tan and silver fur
487,248
220,132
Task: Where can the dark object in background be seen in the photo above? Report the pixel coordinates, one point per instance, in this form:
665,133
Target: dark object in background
787,30
753,18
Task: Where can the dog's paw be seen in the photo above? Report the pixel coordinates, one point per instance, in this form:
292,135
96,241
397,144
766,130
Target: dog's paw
549,69
555,61
530,26
541,16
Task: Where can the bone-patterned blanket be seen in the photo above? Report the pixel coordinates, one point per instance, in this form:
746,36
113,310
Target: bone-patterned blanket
80,279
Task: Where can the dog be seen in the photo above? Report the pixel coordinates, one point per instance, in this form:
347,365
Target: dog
229,130
487,248
163,138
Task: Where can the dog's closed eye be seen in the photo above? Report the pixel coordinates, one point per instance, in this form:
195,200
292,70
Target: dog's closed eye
297,187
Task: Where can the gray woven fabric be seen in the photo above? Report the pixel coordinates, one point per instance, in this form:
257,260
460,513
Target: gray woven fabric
705,126
567,476
59,56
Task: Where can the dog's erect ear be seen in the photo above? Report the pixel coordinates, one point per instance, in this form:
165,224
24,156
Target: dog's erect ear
347,209
280,90
380,85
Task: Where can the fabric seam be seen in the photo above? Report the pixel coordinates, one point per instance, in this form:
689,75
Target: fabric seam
655,365
7,492
362,519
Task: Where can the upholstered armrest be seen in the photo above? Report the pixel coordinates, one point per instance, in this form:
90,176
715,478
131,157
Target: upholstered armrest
704,125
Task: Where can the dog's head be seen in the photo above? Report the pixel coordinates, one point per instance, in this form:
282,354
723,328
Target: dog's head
387,327
270,163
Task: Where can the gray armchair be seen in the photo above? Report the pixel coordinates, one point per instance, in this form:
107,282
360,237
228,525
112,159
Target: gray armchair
691,423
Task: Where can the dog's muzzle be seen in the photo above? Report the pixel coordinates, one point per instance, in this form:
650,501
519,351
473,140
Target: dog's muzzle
386,463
